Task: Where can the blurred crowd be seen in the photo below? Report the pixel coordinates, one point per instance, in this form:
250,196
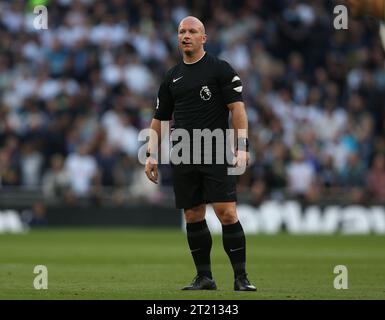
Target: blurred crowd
74,97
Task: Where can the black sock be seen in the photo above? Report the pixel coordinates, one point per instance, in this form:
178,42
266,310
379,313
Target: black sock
234,243
200,242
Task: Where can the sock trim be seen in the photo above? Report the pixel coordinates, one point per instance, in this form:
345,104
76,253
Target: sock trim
196,226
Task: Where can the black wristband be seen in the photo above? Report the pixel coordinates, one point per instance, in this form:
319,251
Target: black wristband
150,155
243,143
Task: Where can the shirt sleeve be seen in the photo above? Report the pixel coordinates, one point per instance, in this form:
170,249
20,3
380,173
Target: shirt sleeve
230,83
164,103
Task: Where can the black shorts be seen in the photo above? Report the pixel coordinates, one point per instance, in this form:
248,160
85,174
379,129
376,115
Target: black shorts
195,184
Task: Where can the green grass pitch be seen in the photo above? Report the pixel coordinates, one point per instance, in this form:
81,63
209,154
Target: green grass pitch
154,263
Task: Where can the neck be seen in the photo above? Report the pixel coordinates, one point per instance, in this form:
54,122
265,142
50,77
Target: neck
194,58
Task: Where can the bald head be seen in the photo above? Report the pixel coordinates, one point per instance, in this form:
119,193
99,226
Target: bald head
192,21
191,38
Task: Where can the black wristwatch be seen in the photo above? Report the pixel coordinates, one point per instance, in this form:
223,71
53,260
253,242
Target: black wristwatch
243,143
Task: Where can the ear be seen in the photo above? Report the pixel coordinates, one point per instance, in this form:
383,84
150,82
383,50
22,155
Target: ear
204,38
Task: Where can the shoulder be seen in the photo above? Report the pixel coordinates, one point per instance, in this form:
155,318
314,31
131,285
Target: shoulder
211,59
221,66
224,70
216,60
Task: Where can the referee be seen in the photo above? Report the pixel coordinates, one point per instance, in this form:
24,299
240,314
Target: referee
199,93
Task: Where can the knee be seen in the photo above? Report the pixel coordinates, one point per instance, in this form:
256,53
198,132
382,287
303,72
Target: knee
227,216
195,214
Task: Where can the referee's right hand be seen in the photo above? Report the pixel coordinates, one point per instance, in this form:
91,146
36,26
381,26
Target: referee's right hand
151,169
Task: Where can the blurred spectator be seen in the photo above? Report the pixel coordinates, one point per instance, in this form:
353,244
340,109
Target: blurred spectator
138,77
124,175
10,162
330,122
55,182
376,178
329,177
300,175
31,163
82,172
91,79
107,159
353,177
275,175
38,215
35,216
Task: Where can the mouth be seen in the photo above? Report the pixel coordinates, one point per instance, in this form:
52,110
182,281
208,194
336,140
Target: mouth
186,43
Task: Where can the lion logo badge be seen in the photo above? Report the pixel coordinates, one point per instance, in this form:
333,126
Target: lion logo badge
205,93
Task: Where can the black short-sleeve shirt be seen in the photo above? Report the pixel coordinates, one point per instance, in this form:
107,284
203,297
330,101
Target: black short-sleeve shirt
196,95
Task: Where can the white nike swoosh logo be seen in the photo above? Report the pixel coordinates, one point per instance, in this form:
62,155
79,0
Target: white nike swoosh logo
175,80
195,250
232,250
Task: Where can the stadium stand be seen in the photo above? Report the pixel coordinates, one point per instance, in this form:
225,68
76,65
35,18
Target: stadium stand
73,98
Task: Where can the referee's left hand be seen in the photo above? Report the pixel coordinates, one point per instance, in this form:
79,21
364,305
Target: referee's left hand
151,170
241,158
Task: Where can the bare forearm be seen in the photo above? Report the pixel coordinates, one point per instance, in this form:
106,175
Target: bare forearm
155,135
240,125
239,120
